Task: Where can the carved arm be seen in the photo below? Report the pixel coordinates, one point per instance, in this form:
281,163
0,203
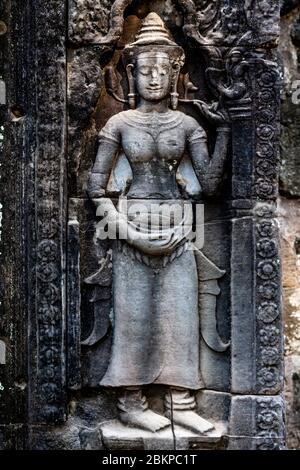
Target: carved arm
209,171
99,175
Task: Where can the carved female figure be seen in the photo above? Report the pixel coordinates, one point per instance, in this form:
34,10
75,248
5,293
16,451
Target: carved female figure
156,279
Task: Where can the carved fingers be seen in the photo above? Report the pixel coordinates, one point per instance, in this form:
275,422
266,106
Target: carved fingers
213,112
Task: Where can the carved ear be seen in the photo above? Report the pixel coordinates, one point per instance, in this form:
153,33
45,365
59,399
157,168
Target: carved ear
174,90
131,83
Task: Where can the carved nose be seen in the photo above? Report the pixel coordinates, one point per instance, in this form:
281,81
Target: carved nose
154,76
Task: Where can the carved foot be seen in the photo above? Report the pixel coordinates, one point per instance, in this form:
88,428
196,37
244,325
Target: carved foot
191,420
180,405
147,420
134,412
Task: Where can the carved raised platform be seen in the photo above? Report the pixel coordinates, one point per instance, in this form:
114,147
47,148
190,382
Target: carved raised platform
117,436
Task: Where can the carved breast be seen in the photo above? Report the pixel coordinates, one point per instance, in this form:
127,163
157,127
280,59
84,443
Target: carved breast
153,137
154,145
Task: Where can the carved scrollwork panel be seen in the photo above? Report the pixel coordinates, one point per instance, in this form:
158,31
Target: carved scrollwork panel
89,19
214,22
270,421
47,347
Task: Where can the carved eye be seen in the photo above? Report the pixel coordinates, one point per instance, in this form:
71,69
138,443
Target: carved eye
164,70
145,71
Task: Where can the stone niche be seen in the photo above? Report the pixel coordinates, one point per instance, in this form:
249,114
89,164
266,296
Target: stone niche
229,68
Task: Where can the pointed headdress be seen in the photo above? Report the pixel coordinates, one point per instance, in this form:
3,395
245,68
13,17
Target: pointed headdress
154,37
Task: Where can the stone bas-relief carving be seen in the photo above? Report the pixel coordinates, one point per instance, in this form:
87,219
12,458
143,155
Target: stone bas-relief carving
159,281
220,22
62,383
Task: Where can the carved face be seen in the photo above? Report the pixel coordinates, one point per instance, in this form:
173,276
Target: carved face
153,75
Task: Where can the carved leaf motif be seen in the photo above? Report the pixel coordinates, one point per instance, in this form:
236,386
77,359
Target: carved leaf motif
262,15
207,11
268,290
264,188
266,114
267,78
269,428
49,313
48,226
264,211
50,293
47,272
269,335
268,377
267,269
269,443
50,355
266,228
47,250
89,19
267,419
268,312
266,168
50,390
270,356
266,248
266,96
265,150
265,132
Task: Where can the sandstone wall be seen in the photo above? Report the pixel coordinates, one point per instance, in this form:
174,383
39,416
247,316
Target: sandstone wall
289,210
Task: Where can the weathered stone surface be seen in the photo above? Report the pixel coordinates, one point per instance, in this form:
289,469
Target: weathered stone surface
90,439
117,436
85,82
287,6
66,291
292,394
88,19
289,211
262,418
290,116
289,217
54,438
13,278
46,193
246,22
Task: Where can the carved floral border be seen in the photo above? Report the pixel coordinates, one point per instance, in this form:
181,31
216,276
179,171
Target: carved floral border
47,343
269,328
270,423
268,280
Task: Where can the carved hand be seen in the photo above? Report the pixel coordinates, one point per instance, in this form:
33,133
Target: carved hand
161,243
213,113
94,186
163,246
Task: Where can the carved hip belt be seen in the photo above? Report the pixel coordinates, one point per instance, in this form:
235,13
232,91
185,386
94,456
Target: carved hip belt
158,230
